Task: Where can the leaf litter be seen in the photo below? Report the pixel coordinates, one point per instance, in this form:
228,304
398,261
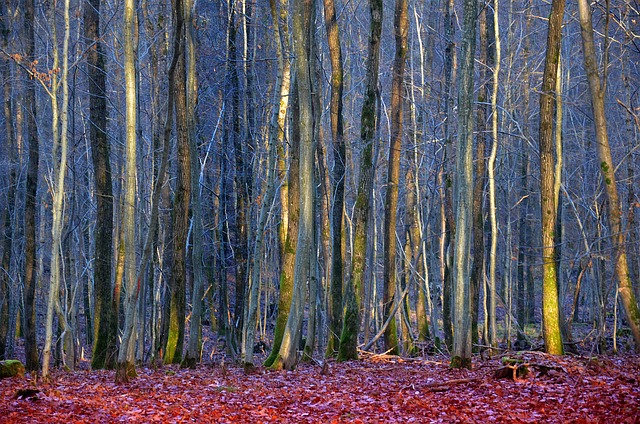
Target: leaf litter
557,390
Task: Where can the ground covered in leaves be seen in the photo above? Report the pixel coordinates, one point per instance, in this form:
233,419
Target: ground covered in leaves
378,389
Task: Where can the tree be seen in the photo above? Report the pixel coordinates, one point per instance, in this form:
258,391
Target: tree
126,355
289,190
31,191
105,320
59,121
9,208
461,355
550,303
355,285
338,176
182,196
301,41
607,170
401,26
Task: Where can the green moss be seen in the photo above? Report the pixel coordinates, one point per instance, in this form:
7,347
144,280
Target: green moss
460,362
11,368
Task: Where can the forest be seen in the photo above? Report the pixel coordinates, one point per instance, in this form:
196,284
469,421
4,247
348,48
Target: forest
294,183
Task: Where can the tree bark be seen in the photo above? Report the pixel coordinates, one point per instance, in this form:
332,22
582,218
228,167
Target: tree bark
401,26
125,368
355,284
461,355
338,176
625,288
105,320
287,356
29,321
550,303
182,197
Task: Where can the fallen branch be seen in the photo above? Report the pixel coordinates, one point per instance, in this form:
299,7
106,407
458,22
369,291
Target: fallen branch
446,385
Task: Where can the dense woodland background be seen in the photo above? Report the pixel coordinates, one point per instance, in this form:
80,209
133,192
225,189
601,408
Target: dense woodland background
250,170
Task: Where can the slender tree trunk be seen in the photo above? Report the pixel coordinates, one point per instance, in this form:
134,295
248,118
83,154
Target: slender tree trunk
289,186
493,338
550,303
625,288
448,225
126,354
355,285
338,176
8,210
29,324
478,261
461,355
195,327
401,26
60,145
182,197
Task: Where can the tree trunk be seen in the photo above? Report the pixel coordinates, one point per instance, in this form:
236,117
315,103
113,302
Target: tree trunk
625,288
550,303
287,356
401,25
8,210
182,197
461,355
126,366
338,176
491,164
31,191
289,199
355,284
197,234
60,146
105,321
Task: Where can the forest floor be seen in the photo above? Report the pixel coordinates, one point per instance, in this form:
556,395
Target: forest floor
376,389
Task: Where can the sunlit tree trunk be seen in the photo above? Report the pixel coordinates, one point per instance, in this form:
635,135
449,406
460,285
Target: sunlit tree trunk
461,355
355,284
478,260
625,288
491,165
287,356
289,185
60,147
126,355
550,303
401,26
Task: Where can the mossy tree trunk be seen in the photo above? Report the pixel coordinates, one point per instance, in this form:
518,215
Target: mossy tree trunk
287,356
182,197
597,91
550,303
289,191
355,284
